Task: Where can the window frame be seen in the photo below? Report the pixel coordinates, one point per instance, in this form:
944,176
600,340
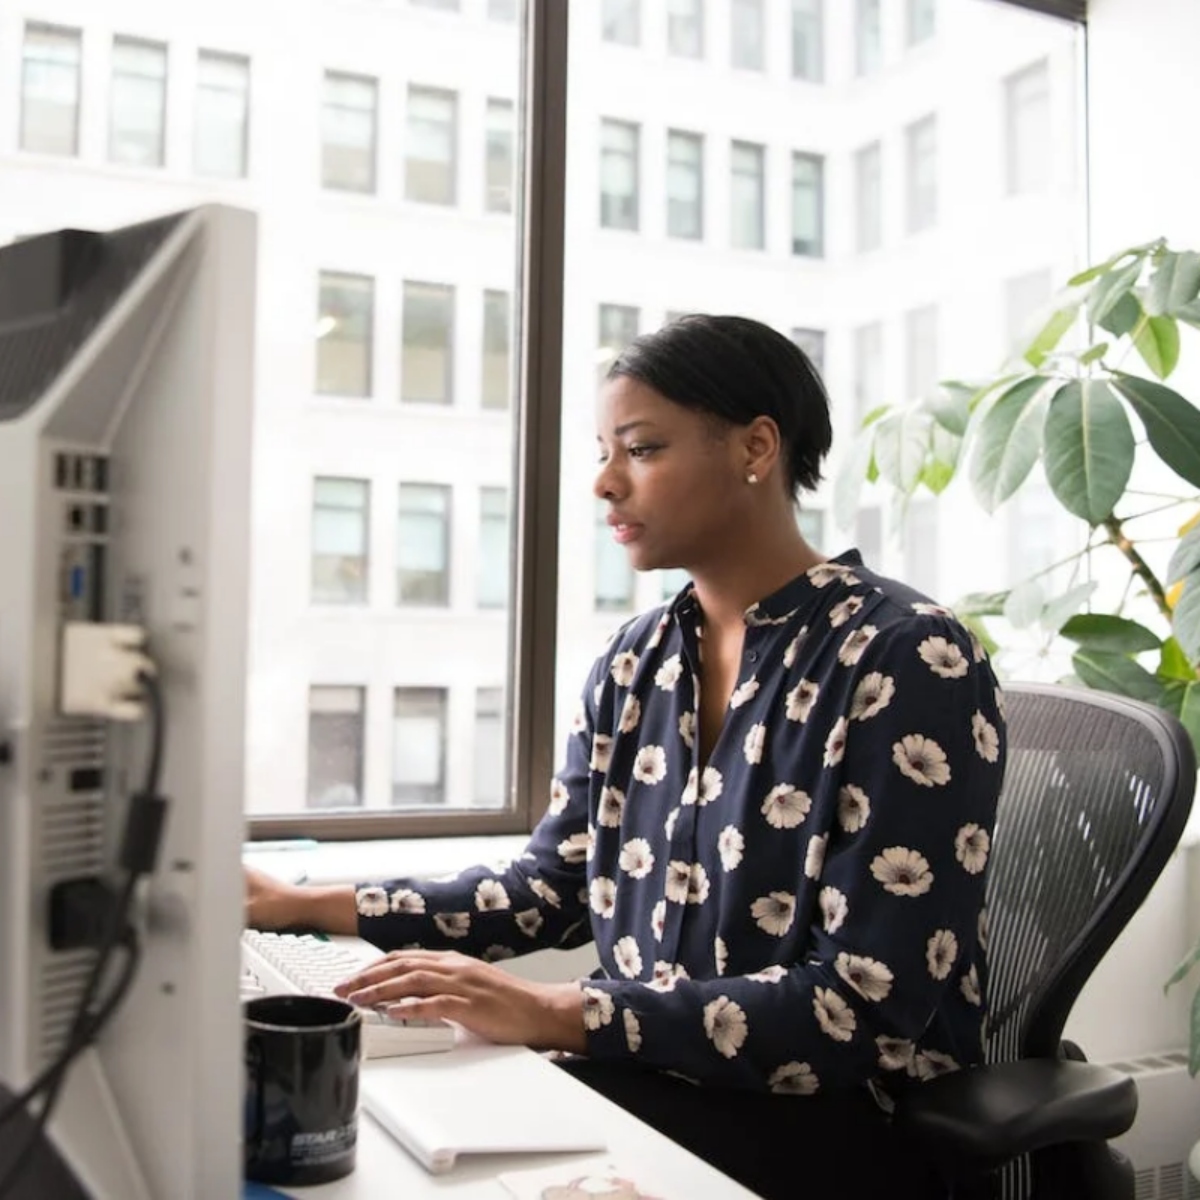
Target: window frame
207,55
163,53
327,105
64,33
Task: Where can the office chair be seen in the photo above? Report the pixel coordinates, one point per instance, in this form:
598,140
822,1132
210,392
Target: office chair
1096,794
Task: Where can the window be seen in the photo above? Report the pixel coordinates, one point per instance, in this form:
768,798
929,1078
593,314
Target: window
868,37
137,116
812,342
868,183
868,370
922,20
620,21
423,544
50,90
1027,132
502,10
618,175
748,196
498,165
747,34
808,40
494,568
489,747
419,747
345,321
222,115
618,327
497,351
335,747
672,581
685,28
921,351
808,205
920,141
811,523
339,541
685,184
430,163
614,575
349,117
1024,295
427,365
920,535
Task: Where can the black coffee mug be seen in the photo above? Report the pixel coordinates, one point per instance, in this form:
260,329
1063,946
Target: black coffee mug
301,1098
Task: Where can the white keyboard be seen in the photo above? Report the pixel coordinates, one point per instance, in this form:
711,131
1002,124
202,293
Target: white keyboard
309,965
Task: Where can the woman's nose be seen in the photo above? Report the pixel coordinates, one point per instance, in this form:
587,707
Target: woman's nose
604,484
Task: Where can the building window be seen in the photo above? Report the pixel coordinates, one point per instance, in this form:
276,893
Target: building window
1027,132
489,747
50,90
811,523
423,545
618,327
497,350
921,545
349,116
808,40
808,205
431,154
747,34
812,343
619,175
502,10
419,747
339,541
685,28
621,21
137,117
685,184
868,37
222,115
868,186
672,581
868,370
499,156
921,351
922,20
494,566
427,367
920,140
614,574
748,167
345,342
1024,295
335,747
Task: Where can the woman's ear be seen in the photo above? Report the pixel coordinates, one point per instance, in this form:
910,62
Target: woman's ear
762,446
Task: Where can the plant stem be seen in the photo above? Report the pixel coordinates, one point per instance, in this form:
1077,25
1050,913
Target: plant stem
1116,535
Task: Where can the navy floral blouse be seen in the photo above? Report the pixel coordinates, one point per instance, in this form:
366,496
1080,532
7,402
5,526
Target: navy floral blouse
804,913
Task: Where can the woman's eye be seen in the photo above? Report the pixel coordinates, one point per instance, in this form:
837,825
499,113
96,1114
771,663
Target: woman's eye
641,451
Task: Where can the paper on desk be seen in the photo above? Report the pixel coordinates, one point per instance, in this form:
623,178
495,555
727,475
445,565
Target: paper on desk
579,1181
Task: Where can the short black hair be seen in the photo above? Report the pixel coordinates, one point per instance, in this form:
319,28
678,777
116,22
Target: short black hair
736,369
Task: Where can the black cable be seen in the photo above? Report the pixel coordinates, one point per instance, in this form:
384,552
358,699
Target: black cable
158,731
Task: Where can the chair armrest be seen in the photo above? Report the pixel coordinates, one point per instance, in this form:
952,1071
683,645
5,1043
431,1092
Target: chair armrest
982,1116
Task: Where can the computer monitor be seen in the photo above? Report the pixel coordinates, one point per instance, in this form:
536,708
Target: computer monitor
126,406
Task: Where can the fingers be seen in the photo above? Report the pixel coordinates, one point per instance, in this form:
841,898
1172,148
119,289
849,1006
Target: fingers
410,981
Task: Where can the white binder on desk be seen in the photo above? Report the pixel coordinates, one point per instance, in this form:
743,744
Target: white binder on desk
477,1100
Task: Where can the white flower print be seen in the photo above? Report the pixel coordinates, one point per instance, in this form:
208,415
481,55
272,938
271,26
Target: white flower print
922,760
371,901
857,640
873,694
650,765
800,700
902,872
834,908
690,787
598,693
597,1008
628,957
825,573
453,925
895,1054
970,987
687,729
987,743
854,808
657,636
725,1024
529,921
490,896
698,885
559,797
623,667
637,859
608,811
720,954
835,743
834,1015
927,1064
840,613
669,674
930,610
944,658
541,889
998,696
664,977
871,979
601,752
498,953
789,655
940,953
971,848
658,919
669,824
981,929
978,653
631,714
743,693
785,806
793,1079
578,718
679,874
771,974
405,900
711,786
730,846
602,896
814,856
774,912
633,1030
752,747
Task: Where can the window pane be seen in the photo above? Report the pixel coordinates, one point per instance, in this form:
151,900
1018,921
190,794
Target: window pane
685,28
494,560
348,132
673,581
921,350
685,185
222,114
812,342
489,747
501,146
621,21
811,522
50,90
137,117
502,10
618,327
614,575
748,197
497,350
345,321
423,545
922,20
618,175
427,365
339,541
868,37
419,747
921,148
747,34
868,370
335,747
1027,129
808,205
431,147
808,40
868,173
920,540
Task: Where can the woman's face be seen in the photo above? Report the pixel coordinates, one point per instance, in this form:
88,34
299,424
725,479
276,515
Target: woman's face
673,484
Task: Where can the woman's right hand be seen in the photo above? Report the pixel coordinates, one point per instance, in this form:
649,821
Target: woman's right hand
271,903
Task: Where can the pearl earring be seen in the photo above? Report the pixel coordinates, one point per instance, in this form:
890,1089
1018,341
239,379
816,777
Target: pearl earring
752,478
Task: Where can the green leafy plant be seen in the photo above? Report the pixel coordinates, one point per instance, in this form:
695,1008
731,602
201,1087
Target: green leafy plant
1180,971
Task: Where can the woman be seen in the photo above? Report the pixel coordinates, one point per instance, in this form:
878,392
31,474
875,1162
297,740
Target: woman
773,819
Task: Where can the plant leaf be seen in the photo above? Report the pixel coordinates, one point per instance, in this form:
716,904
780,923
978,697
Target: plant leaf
1089,448
942,464
1051,334
1194,1037
1118,635
1188,313
847,487
1116,673
1123,316
1175,282
1185,620
1061,607
1174,664
1188,961
1172,423
1186,558
1008,442
979,629
1157,341
950,406
1189,712
1108,290
1093,354
902,445
1094,272
981,604
1024,604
